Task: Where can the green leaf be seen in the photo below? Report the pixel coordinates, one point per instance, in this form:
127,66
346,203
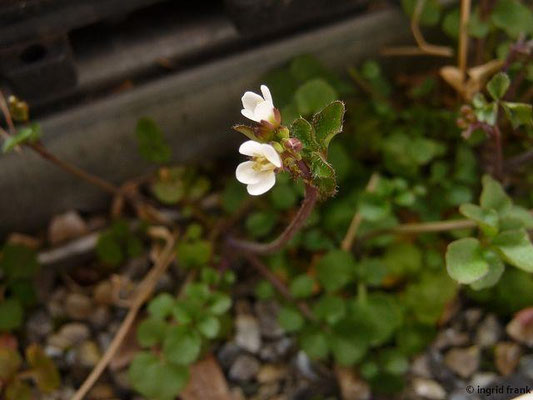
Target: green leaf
161,306
516,217
328,123
347,351
335,270
109,249
261,223
18,390
491,278
302,286
151,332
465,262
193,254
393,362
430,14
10,362
403,259
498,85
450,24
313,96
373,206
11,314
315,344
246,131
233,196
169,192
290,319
219,303
151,141
155,378
518,113
323,175
302,130
18,262
283,197
476,26
209,326
181,345
29,134
487,219
513,17
45,372
487,113
264,290
515,248
493,196
330,309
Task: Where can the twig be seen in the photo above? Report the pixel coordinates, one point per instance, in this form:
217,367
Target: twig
424,48
308,204
278,284
349,238
143,292
463,39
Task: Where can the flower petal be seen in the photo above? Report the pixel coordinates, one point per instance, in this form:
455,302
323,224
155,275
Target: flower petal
250,100
266,94
264,111
249,114
268,179
271,154
246,173
251,148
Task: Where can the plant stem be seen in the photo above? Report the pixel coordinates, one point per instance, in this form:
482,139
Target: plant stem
463,39
519,160
73,170
498,156
308,204
349,238
424,227
143,292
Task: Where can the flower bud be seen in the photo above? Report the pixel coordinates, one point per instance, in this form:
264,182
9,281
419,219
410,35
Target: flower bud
293,144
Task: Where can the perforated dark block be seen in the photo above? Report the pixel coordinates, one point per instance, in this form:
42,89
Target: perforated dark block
257,17
39,70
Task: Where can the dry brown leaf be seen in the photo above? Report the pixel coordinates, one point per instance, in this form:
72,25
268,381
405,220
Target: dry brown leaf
207,382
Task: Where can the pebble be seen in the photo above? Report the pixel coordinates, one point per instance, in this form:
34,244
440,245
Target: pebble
352,387
271,373
420,366
70,334
100,317
483,379
237,393
275,351
526,365
244,368
472,317
451,337
227,354
463,361
267,313
521,327
66,226
38,325
488,332
247,335
506,357
101,391
78,306
103,292
88,354
428,389
266,392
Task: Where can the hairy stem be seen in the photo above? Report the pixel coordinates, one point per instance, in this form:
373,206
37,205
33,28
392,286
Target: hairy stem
308,204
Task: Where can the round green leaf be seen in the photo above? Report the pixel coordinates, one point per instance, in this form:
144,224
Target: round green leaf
151,332
181,345
209,326
290,319
465,262
161,306
302,286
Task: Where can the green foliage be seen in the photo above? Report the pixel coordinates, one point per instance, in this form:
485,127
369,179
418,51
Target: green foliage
430,14
176,332
151,141
177,184
18,266
192,250
39,366
513,17
502,225
335,270
118,243
313,96
27,135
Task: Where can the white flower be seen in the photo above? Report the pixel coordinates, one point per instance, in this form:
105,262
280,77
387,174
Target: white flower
259,108
259,173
